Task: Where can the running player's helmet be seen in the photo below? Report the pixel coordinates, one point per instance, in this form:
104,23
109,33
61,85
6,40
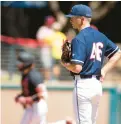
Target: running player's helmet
24,60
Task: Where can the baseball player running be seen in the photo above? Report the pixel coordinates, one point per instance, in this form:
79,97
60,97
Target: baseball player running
88,50
34,94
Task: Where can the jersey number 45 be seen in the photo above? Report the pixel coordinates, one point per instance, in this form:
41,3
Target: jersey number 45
96,51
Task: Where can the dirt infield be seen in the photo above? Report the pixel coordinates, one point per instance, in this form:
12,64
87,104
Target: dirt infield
59,103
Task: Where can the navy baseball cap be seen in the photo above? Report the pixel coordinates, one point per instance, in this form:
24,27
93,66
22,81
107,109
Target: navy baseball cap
80,10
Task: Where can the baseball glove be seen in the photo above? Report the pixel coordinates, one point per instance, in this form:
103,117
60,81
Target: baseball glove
66,52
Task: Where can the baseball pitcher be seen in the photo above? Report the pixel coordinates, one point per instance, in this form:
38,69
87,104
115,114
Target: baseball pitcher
88,50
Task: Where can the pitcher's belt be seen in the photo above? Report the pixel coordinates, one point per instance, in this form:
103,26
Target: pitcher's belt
86,76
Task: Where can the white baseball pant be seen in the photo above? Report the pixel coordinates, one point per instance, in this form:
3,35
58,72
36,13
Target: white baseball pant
36,114
86,97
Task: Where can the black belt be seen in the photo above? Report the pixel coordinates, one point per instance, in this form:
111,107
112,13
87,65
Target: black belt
88,76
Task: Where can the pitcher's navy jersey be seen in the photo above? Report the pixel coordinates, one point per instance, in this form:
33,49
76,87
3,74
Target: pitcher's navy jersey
89,48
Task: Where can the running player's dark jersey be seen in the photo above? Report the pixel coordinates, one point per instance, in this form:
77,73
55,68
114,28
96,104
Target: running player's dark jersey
30,82
89,48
